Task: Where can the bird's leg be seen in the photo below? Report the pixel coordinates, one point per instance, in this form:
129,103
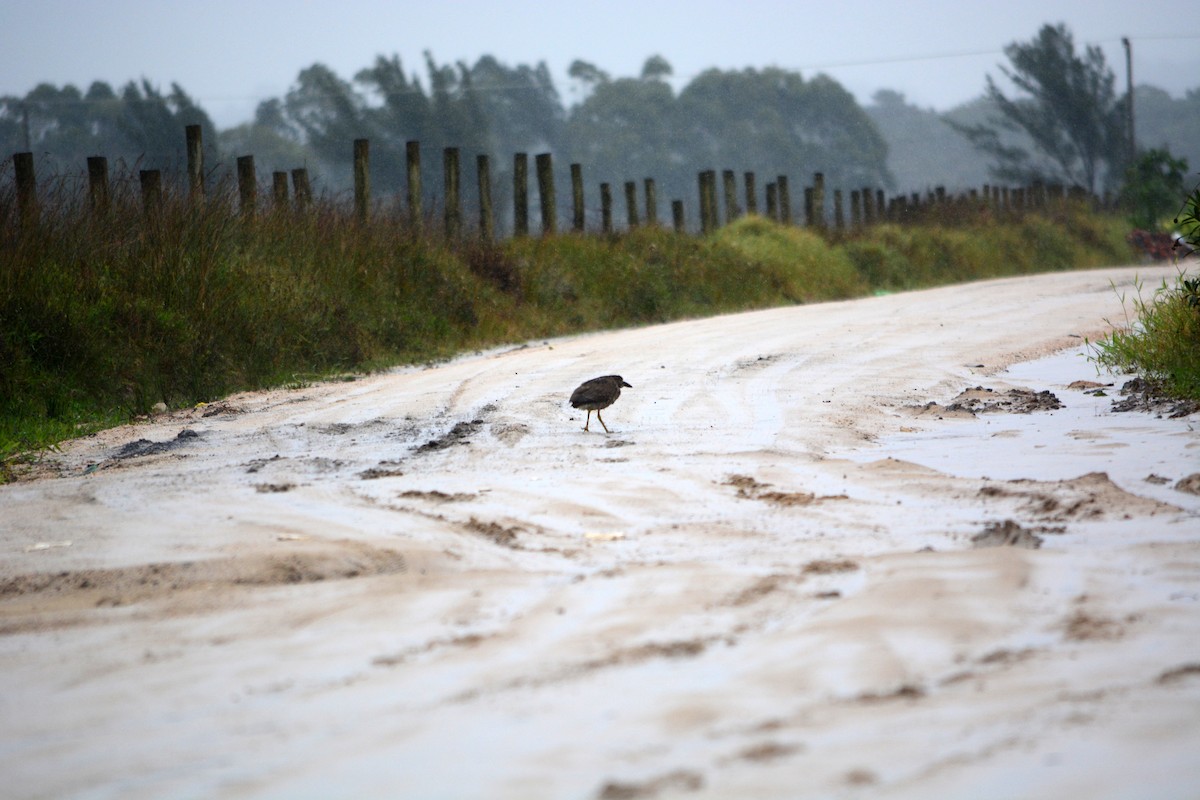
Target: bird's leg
606,430
588,420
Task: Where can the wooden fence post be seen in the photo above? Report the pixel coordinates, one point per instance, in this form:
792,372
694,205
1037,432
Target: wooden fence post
677,215
708,201
818,200
839,214
98,183
27,202
151,180
751,194
362,178
880,204
302,189
545,176
868,206
279,190
247,185
195,160
487,222
651,202
785,200
521,194
450,184
412,158
578,221
772,201
732,211
809,218
631,212
606,208
856,218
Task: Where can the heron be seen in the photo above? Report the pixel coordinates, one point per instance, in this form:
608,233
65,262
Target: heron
596,394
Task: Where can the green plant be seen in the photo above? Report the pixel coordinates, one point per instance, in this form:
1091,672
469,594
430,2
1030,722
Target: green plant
1160,341
1152,184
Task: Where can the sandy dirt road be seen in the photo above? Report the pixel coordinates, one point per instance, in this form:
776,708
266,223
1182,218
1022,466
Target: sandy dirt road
764,583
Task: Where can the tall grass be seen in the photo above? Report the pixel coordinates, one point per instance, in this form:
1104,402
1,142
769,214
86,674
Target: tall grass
104,315
1160,338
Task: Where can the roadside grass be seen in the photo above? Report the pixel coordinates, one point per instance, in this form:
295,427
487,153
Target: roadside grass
1159,339
104,315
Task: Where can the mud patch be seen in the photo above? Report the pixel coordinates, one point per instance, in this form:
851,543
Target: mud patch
750,489
981,400
1190,484
384,469
468,641
505,537
1084,627
768,751
1006,534
35,593
437,497
908,691
510,433
271,488
145,447
1089,497
1178,674
1142,395
458,435
829,567
677,781
762,587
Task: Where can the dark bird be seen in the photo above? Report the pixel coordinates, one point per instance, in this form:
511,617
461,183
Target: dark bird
596,394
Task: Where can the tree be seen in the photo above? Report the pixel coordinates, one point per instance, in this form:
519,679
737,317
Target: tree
1069,110
1153,187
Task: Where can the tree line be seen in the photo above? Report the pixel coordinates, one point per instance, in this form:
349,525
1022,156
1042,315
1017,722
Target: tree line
1065,126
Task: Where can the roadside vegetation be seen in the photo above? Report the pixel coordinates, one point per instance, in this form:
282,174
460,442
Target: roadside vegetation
1160,337
103,317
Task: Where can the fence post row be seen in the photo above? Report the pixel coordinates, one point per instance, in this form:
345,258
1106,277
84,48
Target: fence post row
412,157
247,185
362,178
151,180
301,188
27,203
279,190
606,208
521,194
867,205
195,160
98,184
577,218
545,178
450,180
486,221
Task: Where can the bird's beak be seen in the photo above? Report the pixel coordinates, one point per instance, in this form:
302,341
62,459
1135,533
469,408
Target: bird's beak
630,385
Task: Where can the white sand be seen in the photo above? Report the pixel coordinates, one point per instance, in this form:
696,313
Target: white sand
761,584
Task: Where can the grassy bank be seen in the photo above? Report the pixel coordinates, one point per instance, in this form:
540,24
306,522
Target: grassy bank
102,318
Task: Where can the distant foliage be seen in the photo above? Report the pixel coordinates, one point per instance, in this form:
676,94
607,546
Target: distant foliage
139,124
1153,186
1067,107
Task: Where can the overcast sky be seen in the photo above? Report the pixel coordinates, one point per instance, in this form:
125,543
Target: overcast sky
230,54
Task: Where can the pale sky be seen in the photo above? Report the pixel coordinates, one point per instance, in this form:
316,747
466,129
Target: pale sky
231,54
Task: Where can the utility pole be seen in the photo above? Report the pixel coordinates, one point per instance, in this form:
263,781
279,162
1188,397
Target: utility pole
1129,97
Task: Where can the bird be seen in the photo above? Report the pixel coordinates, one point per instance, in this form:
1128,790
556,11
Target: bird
596,394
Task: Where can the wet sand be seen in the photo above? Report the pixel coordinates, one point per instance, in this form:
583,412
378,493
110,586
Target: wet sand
809,561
